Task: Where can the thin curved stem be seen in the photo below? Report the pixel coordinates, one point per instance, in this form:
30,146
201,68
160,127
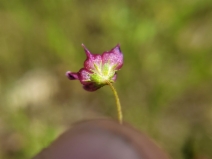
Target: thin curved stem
118,104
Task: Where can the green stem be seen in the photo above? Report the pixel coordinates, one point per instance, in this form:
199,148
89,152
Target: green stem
118,104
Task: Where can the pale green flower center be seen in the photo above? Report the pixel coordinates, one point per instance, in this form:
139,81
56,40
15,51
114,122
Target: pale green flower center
103,73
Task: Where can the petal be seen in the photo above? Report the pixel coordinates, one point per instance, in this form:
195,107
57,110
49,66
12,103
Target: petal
88,53
84,76
116,49
91,87
72,75
94,59
114,77
114,57
91,59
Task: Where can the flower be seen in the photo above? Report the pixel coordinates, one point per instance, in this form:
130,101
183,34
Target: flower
99,69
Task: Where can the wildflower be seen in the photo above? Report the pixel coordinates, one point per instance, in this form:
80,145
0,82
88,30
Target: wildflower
98,70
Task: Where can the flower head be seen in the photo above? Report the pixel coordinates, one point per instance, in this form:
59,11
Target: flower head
98,69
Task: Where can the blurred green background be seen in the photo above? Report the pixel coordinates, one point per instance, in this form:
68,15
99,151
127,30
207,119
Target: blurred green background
165,85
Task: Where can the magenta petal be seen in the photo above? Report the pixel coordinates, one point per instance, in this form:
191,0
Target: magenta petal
114,77
91,59
88,53
116,49
72,75
114,57
84,76
91,87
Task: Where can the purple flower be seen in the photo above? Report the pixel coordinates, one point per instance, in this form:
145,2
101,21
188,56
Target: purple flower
98,69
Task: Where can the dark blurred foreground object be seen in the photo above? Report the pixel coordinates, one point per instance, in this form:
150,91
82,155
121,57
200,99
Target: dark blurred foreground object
102,139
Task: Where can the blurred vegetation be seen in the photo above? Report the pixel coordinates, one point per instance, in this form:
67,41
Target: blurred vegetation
165,85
